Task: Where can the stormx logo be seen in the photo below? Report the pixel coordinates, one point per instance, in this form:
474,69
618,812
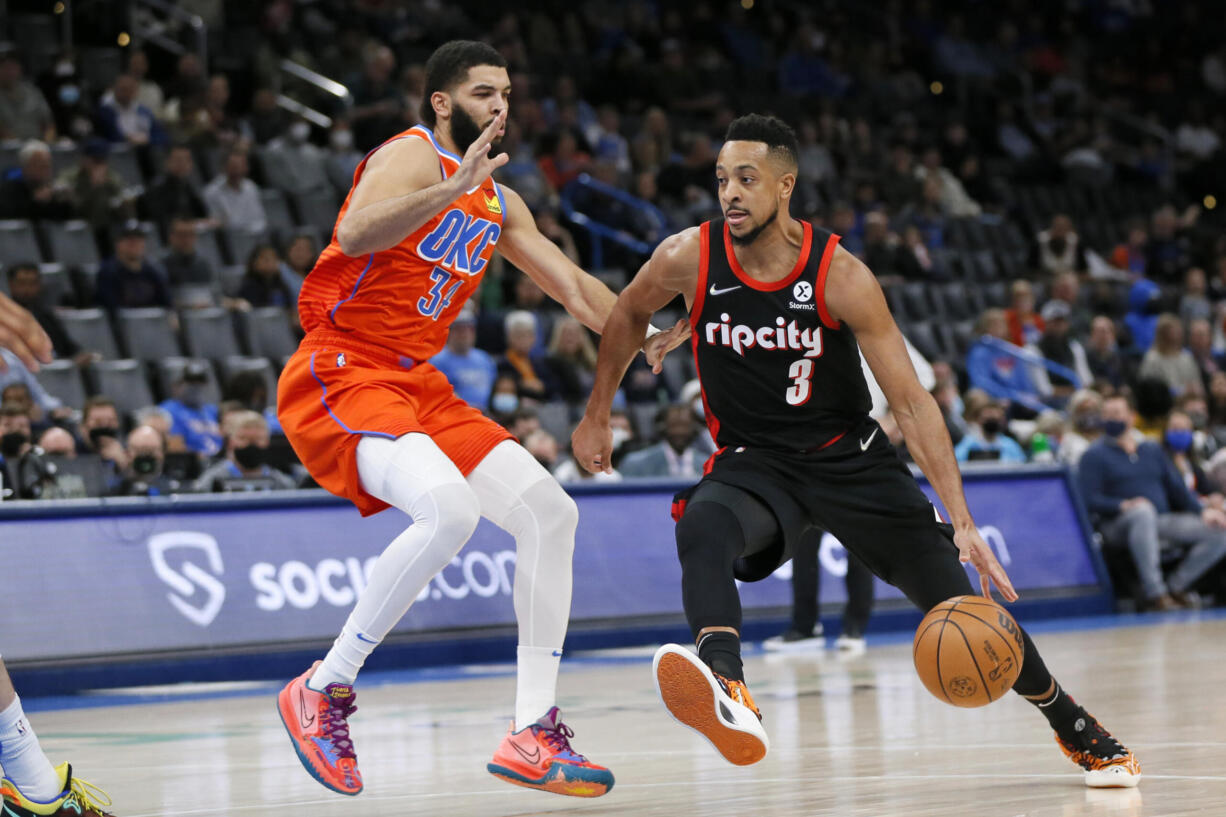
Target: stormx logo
198,592
803,294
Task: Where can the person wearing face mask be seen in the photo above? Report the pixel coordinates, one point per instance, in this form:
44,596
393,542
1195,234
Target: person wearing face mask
293,163
192,417
99,437
15,439
245,464
343,158
144,476
985,438
504,399
1140,502
1085,425
1178,440
676,456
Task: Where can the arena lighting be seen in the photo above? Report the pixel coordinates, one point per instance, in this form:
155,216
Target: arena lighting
124,39
1210,201
747,4
937,87
58,8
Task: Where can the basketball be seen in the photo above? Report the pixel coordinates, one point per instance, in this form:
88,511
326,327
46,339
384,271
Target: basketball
968,651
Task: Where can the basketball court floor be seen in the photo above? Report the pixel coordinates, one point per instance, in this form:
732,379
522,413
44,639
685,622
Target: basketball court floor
854,736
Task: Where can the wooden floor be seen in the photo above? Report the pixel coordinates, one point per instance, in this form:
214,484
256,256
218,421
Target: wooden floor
849,737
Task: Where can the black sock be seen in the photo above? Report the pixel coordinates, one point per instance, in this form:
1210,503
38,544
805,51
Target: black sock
1060,710
721,652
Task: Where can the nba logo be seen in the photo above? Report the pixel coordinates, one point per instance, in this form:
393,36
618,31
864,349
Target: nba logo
340,360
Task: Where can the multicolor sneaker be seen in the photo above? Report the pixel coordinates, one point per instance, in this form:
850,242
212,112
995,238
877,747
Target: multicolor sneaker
720,709
318,725
78,798
1107,763
540,756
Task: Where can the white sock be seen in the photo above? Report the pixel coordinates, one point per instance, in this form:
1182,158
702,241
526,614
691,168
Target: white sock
536,683
22,758
349,652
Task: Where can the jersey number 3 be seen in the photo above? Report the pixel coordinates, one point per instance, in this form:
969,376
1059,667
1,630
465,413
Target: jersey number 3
441,292
801,372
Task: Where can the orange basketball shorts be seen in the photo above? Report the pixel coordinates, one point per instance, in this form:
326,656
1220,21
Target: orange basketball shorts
332,393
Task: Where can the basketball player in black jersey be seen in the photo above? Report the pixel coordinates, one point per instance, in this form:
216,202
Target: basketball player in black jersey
777,308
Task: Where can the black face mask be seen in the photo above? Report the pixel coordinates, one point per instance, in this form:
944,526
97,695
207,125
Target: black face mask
146,464
249,456
12,443
991,426
96,434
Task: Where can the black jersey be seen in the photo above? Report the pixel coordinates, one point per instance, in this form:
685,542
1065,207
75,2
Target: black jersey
776,371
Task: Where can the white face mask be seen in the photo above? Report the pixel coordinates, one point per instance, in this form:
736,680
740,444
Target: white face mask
620,437
300,131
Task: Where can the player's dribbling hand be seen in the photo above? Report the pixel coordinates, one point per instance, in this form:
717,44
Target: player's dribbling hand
478,164
21,335
972,548
592,444
659,345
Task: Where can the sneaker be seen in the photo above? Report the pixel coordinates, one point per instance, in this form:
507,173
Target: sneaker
1107,763
540,756
78,798
719,709
796,641
318,725
850,645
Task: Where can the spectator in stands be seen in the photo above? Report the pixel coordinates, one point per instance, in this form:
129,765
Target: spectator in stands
549,226
97,193
15,444
129,279
1194,301
267,120
1140,502
1168,361
572,358
946,395
1132,254
543,447
1169,252
916,262
899,182
1200,347
569,471
608,145
652,146
18,394
1025,325
564,160
122,118
1196,407
470,370
1066,287
217,124
928,214
249,389
233,199
504,399
193,418
379,110
264,284
995,371
58,442
881,251
244,467
293,164
12,370
955,201
26,287
1178,440
523,361
30,193
161,421
623,437
148,92
344,158
1059,346
1058,248
100,436
173,194
1144,306
24,112
986,439
300,256
193,282
1085,410
689,183
188,83
144,475
676,454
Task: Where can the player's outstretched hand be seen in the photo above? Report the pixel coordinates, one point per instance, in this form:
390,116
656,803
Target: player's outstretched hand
592,444
21,335
659,345
478,164
972,548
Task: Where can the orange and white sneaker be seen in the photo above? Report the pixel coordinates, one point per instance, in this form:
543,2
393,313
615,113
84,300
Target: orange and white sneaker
540,756
719,709
1107,763
318,726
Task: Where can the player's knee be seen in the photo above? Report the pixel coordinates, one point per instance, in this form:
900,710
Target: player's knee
452,510
707,529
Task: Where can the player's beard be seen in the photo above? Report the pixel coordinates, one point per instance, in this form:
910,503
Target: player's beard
465,130
752,236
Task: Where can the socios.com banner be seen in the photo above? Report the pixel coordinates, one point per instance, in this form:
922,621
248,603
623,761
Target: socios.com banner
201,573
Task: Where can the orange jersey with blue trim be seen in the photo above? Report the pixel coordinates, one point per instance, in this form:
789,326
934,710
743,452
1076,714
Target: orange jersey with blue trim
405,298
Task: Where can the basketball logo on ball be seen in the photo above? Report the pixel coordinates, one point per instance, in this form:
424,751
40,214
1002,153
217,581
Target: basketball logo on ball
968,651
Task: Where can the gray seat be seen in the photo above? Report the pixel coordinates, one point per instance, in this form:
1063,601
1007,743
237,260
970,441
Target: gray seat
62,379
209,333
153,240
147,333
280,219
555,418
124,162
234,364
317,208
90,330
57,285
72,243
924,338
241,243
208,247
916,302
18,243
170,371
231,277
124,382
268,332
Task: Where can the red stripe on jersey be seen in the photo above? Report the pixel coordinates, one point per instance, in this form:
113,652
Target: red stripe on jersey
822,269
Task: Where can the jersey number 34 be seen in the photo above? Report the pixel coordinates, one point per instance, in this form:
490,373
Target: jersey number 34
441,292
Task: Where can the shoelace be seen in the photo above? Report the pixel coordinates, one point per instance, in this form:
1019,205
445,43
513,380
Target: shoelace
559,740
334,718
1099,742
89,795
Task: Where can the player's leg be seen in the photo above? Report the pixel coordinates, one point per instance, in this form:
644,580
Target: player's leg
412,474
805,631
521,497
721,525
31,785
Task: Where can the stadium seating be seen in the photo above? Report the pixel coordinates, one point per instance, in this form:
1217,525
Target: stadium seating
124,382
62,379
18,242
72,244
90,329
268,332
209,333
147,333
169,371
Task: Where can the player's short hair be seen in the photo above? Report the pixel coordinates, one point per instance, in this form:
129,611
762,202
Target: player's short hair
20,267
449,65
776,134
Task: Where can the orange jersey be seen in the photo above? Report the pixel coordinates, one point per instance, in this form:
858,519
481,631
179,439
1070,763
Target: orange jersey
404,298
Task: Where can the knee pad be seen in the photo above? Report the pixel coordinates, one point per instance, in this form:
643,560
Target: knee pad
450,509
707,530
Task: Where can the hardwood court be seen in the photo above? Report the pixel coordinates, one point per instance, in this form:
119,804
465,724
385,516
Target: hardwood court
849,737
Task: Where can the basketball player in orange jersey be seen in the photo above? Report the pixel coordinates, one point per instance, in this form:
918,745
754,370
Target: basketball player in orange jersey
777,308
30,784
373,421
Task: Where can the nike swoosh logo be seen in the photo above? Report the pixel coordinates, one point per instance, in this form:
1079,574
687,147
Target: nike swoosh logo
864,444
305,718
557,653
367,640
715,291
535,757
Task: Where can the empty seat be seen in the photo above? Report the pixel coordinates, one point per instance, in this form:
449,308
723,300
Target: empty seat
893,297
923,338
124,382
62,379
147,333
72,243
170,371
208,247
234,364
58,289
18,243
268,332
242,242
996,293
209,333
957,304
231,277
915,300
90,329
